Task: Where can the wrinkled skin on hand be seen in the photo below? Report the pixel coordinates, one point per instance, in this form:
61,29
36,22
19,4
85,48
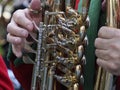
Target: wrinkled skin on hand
107,43
108,49
20,25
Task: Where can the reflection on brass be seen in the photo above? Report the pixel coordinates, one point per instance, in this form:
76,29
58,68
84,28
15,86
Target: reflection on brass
60,46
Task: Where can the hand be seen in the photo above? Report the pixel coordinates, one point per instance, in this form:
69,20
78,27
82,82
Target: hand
108,49
20,26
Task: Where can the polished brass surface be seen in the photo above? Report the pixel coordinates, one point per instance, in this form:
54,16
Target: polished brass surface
60,46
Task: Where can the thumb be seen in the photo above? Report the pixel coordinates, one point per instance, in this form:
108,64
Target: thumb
35,5
35,10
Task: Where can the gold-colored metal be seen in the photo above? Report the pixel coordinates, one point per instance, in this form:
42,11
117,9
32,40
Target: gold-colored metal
60,46
105,79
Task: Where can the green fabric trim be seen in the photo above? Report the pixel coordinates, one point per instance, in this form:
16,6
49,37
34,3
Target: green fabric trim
18,61
89,69
11,56
10,53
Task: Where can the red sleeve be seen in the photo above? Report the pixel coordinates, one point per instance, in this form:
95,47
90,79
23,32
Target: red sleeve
23,73
118,83
76,4
5,82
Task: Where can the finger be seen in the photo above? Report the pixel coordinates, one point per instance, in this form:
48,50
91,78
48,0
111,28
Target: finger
108,66
35,5
16,30
35,11
102,54
13,39
108,32
17,50
21,20
101,43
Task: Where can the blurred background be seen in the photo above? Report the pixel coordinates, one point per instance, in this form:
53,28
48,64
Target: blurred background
7,8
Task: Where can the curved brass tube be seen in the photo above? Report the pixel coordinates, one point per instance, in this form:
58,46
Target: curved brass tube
60,58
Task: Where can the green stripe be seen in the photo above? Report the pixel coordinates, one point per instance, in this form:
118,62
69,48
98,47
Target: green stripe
89,70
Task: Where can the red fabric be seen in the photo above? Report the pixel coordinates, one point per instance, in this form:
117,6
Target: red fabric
76,4
118,83
5,82
23,73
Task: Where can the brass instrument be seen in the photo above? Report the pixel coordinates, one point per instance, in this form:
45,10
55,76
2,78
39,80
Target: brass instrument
60,46
105,79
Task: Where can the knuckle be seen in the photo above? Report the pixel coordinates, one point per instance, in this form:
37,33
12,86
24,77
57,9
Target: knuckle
113,56
115,46
97,53
14,14
17,14
18,41
101,30
97,41
112,45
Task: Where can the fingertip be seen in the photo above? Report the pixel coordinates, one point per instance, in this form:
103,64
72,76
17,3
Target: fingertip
100,62
8,26
35,4
95,42
19,54
17,51
108,32
96,52
101,30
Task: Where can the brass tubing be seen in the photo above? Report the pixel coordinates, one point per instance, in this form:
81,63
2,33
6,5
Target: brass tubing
61,24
